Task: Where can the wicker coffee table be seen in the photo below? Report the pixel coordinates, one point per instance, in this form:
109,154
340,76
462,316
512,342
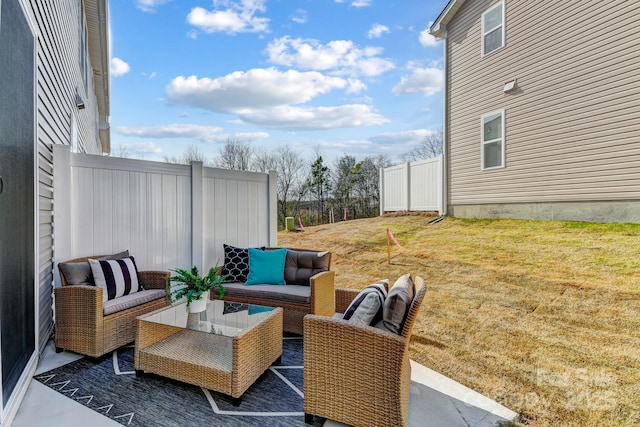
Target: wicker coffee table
224,348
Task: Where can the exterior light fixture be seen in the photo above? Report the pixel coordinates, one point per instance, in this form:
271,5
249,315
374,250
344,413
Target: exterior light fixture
510,86
79,101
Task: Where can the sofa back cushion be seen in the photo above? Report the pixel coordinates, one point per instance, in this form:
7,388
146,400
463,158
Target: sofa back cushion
76,273
79,272
301,265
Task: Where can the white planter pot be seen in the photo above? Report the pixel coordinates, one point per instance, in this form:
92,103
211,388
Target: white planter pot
198,305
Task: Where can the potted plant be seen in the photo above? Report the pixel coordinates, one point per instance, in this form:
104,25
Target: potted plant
193,287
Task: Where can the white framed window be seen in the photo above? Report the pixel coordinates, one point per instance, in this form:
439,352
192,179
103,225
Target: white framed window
493,141
493,28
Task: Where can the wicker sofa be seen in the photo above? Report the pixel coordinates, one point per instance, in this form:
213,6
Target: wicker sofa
309,287
86,324
356,374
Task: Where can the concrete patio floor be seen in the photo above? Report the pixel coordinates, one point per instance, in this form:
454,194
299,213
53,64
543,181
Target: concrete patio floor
435,401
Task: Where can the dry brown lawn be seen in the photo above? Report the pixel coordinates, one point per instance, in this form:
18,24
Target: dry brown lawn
542,316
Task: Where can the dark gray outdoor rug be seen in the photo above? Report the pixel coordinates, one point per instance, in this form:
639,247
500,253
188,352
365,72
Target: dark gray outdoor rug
109,386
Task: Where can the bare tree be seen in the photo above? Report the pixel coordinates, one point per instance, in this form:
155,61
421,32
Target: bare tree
236,154
263,161
191,154
291,170
345,170
429,147
367,184
121,151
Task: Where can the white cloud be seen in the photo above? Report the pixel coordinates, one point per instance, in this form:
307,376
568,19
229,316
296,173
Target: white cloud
233,17
300,16
377,30
340,56
149,5
314,118
201,133
137,150
253,89
118,67
426,81
426,39
268,98
402,137
361,3
355,86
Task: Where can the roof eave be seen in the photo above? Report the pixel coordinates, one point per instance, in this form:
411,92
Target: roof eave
98,34
439,27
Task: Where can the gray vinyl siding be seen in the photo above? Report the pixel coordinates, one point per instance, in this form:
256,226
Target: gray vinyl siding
573,124
59,73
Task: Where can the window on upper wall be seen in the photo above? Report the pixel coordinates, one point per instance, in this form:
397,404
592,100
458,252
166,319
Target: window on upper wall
493,29
493,140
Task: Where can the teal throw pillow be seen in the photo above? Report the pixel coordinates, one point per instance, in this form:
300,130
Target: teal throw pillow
266,267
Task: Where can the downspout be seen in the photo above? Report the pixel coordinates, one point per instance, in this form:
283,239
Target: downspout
445,102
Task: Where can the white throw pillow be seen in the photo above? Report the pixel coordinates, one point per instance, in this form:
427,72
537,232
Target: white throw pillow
116,277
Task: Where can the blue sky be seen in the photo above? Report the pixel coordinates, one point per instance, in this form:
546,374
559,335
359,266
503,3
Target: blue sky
357,77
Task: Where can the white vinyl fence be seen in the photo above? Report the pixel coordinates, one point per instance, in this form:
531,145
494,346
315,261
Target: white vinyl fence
168,216
412,186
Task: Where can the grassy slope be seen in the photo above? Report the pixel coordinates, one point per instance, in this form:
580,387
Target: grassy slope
542,316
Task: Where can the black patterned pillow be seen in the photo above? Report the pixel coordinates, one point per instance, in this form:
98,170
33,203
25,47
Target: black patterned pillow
236,263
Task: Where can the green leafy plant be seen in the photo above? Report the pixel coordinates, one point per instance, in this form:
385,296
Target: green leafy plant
193,285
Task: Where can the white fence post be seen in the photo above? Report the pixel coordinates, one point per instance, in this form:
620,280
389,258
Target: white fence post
381,190
61,205
407,186
197,197
273,208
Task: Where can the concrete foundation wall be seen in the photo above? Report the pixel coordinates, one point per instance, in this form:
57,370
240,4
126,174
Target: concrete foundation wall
622,211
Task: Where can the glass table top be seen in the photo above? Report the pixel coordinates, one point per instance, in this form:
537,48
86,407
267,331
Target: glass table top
220,317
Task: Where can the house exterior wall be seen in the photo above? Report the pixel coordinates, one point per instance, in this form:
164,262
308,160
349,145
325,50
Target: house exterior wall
62,67
572,131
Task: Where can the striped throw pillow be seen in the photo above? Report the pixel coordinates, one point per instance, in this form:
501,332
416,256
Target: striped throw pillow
116,277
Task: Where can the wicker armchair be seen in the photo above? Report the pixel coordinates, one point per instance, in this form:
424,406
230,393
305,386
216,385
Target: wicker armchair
354,374
81,326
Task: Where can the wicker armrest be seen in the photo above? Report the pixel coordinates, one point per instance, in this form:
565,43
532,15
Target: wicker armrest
322,296
362,345
78,304
153,279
